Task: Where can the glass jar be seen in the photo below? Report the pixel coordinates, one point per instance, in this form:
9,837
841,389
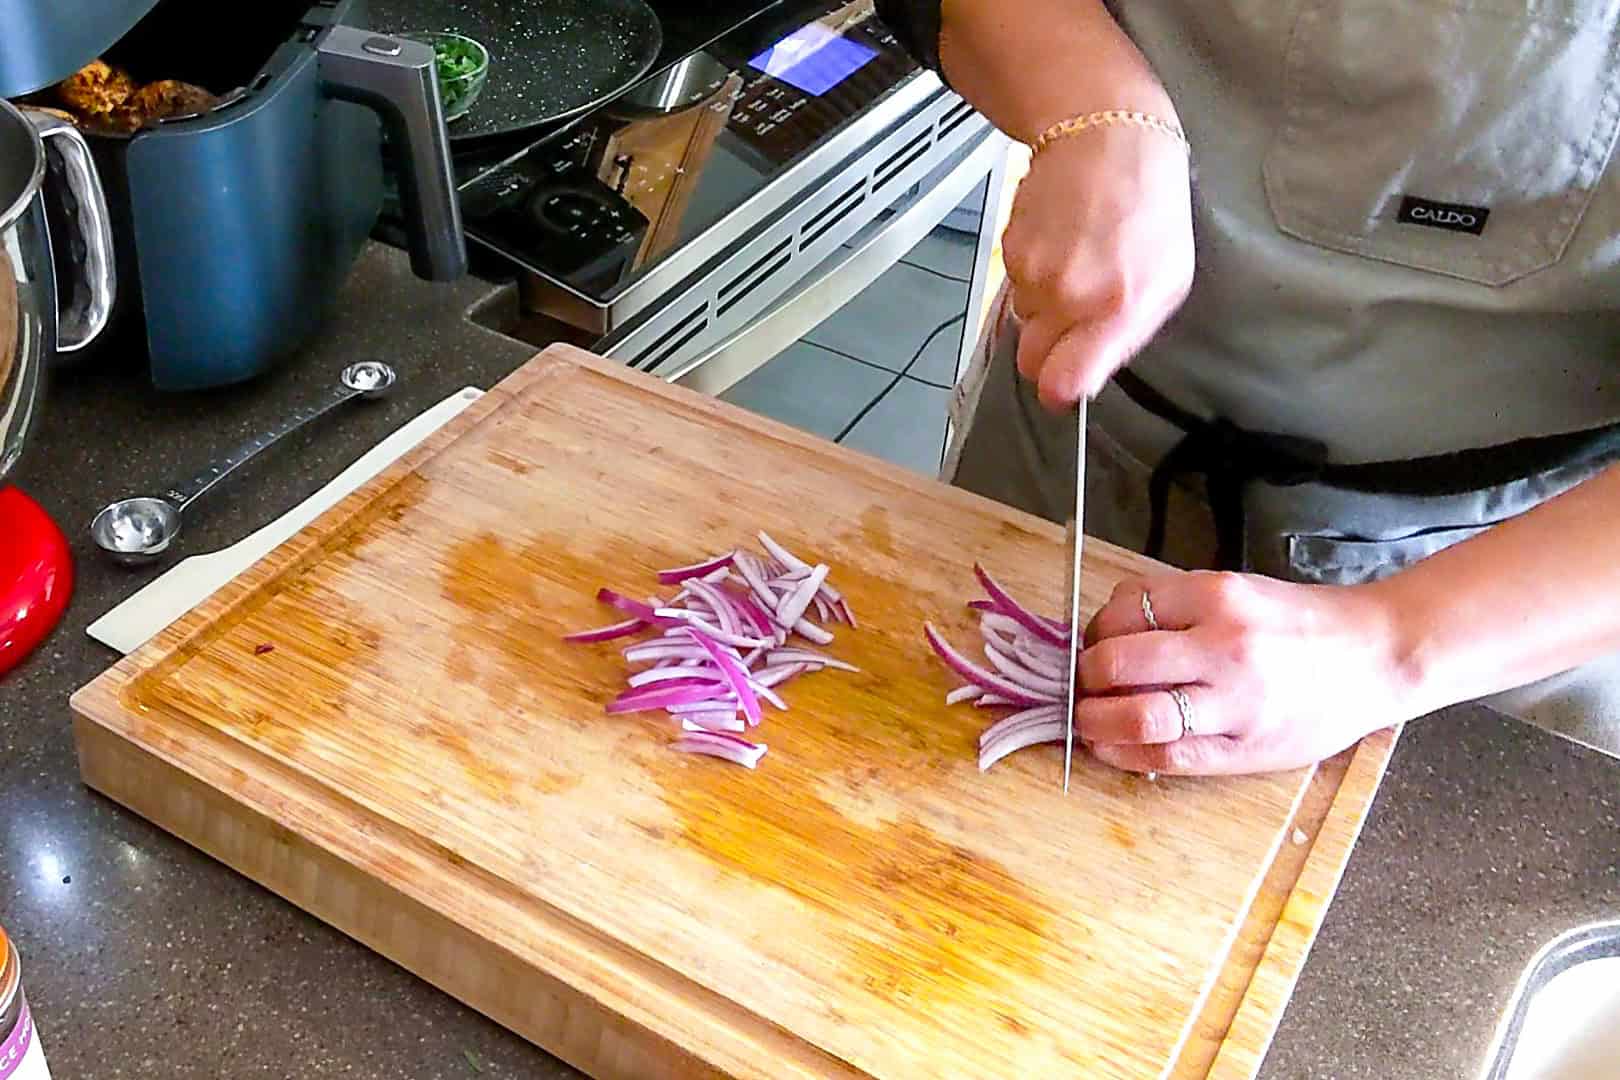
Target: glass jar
20,1055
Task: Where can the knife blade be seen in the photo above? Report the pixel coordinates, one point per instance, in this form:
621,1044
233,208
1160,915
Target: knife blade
1076,535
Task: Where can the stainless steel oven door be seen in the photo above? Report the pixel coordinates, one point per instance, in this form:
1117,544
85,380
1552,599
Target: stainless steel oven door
850,270
849,218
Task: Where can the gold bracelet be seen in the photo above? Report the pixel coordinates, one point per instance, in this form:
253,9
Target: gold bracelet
1108,118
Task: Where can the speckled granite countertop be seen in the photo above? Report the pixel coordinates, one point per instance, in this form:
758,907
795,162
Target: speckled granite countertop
144,958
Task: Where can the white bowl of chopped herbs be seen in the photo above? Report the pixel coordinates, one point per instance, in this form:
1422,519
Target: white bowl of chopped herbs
461,64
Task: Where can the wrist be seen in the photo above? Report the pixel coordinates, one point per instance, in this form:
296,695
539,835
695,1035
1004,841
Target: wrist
1405,638
1041,113
1038,115
1030,73
1090,123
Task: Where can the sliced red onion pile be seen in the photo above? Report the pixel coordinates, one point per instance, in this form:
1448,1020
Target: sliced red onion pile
1026,669
723,643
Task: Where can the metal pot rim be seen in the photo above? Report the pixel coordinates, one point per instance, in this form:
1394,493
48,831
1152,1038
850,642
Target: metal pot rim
10,212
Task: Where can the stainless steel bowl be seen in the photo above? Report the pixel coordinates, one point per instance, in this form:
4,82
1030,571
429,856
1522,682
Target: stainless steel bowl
33,325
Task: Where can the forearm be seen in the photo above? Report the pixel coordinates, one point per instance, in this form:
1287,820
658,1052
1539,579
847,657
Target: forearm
1532,597
1027,64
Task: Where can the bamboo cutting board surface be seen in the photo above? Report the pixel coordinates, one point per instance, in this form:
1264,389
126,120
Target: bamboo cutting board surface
420,760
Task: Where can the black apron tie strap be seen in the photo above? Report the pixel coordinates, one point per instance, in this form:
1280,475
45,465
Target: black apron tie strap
1229,458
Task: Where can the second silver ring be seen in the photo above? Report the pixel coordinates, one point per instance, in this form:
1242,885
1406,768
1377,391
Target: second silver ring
1147,611
1185,708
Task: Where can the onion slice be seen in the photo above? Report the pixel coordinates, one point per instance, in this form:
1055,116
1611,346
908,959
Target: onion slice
1020,675
1041,628
655,698
1040,662
1023,718
664,649
811,632
988,680
777,674
735,675
711,631
1050,731
713,721
725,701
796,603
849,616
655,675
781,554
1028,670
608,633
719,646
722,745
730,618
757,616
807,656
696,570
644,612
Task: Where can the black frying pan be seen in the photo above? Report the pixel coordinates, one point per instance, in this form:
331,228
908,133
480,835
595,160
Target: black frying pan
549,59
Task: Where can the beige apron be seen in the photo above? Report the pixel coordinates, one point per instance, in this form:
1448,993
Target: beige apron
1408,241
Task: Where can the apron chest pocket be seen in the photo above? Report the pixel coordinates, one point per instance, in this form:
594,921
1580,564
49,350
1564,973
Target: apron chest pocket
1461,138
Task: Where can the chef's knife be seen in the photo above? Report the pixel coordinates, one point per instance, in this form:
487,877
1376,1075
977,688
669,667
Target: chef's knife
1077,543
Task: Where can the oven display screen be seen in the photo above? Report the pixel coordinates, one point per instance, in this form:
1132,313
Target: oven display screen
813,59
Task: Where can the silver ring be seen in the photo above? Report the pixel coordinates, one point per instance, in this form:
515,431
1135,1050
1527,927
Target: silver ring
1185,708
1147,611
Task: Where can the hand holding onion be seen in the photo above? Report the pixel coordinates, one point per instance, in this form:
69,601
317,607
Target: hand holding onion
1276,675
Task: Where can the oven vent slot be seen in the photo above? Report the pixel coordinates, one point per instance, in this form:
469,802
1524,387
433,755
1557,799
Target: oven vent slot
666,344
954,119
899,159
902,159
780,253
676,346
743,278
831,207
831,214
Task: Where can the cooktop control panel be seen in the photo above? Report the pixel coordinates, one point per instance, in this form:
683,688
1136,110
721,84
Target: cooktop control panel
597,207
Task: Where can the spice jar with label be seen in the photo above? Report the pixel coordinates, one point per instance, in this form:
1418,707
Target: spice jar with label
20,1055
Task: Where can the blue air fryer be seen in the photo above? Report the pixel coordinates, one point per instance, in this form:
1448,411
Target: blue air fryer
237,221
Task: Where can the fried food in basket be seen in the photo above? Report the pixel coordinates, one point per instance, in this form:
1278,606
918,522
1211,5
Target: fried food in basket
96,89
105,98
169,97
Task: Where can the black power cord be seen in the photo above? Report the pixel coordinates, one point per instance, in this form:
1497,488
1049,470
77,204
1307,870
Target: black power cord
870,364
936,273
927,341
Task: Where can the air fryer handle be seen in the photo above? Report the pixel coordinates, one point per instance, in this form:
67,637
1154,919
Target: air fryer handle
395,77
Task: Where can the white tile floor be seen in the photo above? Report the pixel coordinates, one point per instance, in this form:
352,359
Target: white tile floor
877,375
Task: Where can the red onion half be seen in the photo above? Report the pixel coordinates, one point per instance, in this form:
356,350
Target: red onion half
1027,657
723,643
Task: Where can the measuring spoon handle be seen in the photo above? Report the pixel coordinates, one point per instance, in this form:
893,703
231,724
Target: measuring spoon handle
188,491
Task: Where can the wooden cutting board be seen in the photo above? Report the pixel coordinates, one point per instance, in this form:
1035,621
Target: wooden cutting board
380,723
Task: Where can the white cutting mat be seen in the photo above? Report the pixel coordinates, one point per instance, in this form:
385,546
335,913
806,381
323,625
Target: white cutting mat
146,614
